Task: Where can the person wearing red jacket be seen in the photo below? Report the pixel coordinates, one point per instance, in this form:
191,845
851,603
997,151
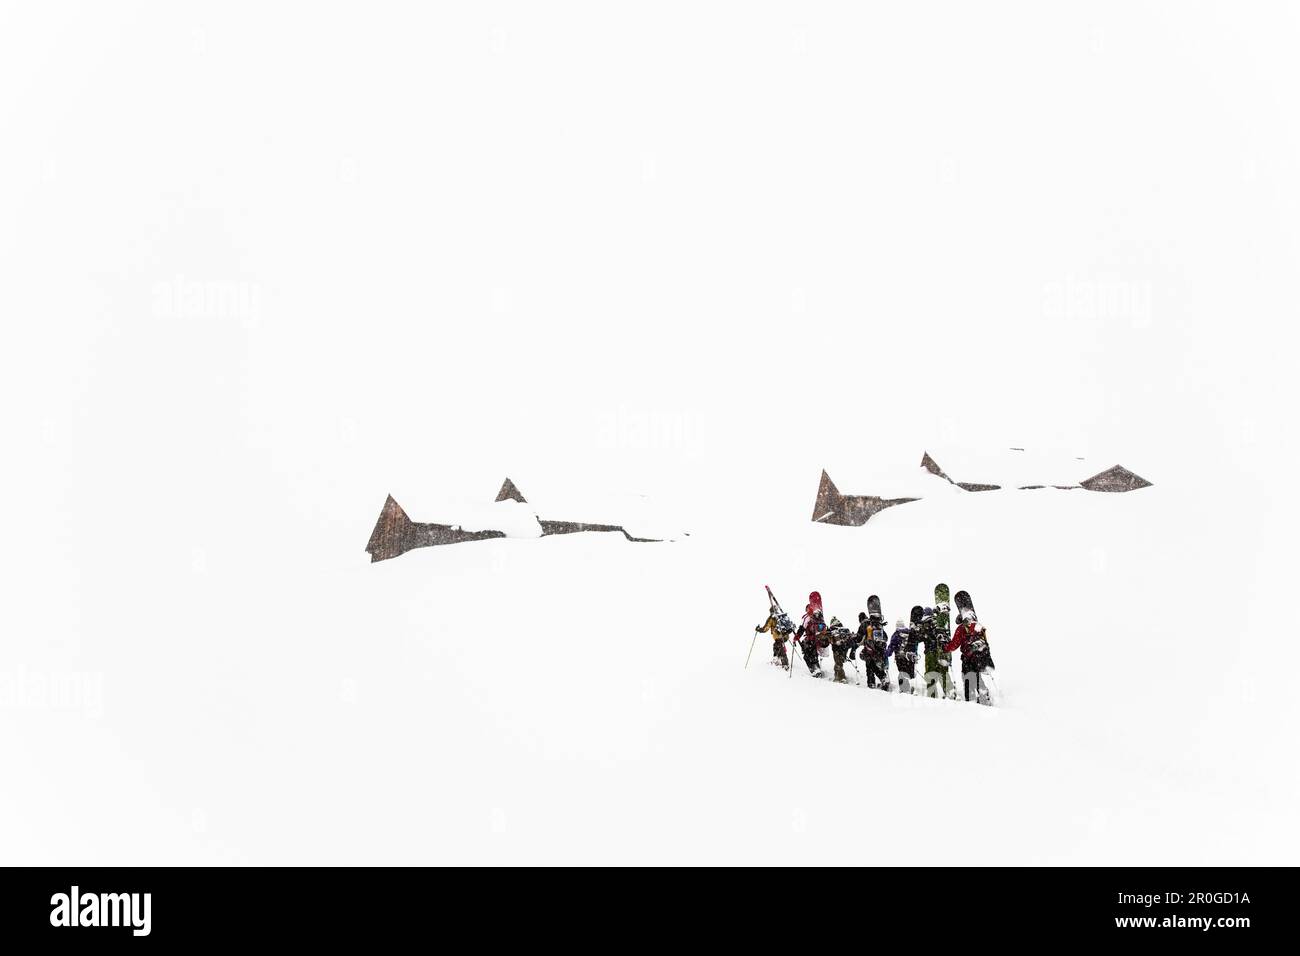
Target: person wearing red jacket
972,640
810,636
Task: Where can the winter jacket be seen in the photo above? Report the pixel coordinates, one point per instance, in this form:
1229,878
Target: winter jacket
972,639
903,646
874,642
933,637
814,628
904,640
773,626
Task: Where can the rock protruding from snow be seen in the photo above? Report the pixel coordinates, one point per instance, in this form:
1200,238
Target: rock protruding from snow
509,516
1014,468
395,533
575,527
1027,469
932,466
391,534
852,510
511,493
1116,478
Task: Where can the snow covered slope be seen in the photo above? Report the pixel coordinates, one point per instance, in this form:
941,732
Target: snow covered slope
628,729
579,699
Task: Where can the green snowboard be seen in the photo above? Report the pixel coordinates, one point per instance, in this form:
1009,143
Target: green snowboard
937,660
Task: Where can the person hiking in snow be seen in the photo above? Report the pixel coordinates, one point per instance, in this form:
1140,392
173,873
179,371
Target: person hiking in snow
903,647
840,638
938,679
871,646
779,625
809,636
971,638
942,662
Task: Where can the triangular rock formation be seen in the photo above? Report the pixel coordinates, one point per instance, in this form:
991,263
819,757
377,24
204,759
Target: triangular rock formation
395,533
392,532
853,510
932,466
1117,478
509,492
828,498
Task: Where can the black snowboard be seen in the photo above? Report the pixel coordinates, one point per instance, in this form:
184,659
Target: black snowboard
873,609
918,613
963,602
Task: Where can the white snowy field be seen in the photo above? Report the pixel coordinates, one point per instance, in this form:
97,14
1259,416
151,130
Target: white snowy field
258,271
583,699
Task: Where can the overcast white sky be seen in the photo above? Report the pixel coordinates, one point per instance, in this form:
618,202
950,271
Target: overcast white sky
267,264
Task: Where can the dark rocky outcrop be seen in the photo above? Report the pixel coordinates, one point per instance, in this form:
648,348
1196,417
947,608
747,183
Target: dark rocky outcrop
932,466
509,492
1116,478
395,533
834,508
576,527
852,510
1113,479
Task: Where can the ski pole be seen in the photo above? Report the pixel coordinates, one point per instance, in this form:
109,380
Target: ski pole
751,650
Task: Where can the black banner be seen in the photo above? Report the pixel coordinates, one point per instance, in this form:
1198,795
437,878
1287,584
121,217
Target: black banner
977,907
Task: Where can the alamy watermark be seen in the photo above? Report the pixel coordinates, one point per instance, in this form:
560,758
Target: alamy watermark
1100,299
647,430
76,908
184,298
83,691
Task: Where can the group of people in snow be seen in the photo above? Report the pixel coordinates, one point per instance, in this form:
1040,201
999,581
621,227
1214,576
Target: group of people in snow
874,646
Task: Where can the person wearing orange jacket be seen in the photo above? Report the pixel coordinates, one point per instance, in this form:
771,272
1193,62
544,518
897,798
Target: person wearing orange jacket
779,626
873,641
